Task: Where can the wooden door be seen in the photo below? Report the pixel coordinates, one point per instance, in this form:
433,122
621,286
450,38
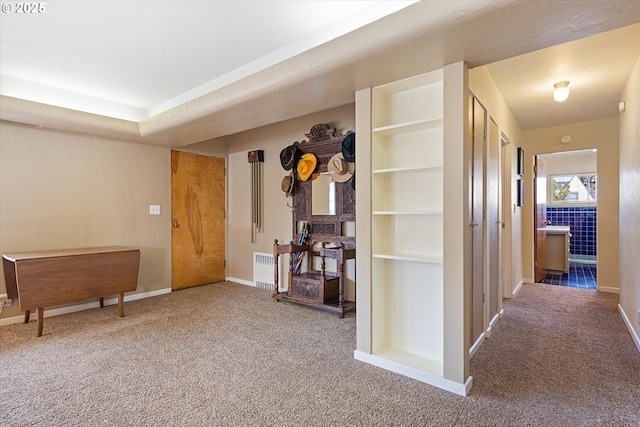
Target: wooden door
477,221
493,222
197,219
540,218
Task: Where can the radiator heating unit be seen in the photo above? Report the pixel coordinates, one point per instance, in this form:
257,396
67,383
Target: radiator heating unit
263,271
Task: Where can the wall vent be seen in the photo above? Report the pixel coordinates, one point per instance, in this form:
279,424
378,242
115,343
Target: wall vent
263,271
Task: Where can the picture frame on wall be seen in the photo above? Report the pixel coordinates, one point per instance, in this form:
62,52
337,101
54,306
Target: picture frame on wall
520,192
520,161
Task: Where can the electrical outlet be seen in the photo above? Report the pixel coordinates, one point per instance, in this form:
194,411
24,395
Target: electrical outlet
154,209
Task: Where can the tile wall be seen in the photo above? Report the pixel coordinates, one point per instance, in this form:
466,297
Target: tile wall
582,222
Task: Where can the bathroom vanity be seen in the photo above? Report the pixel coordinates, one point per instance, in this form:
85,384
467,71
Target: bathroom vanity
558,249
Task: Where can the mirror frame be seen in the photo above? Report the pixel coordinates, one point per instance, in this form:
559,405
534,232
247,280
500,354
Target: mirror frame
324,142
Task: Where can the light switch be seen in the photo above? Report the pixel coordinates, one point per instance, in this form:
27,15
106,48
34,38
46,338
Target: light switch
154,209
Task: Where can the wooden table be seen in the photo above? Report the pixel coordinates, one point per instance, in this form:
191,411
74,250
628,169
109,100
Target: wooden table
49,278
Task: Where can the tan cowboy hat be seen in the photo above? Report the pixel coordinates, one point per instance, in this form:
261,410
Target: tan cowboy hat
339,168
287,184
306,165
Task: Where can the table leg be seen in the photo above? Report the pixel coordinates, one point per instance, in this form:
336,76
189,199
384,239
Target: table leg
121,305
27,315
101,302
40,321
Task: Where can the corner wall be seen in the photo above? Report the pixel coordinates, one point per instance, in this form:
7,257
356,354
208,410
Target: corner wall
278,220
61,190
630,205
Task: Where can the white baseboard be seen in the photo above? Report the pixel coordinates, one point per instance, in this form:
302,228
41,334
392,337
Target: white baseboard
609,289
416,374
518,286
476,345
632,331
493,322
84,306
241,281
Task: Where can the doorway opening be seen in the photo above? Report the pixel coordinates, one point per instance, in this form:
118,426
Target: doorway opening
570,226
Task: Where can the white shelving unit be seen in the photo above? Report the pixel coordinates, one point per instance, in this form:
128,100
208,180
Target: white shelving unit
407,278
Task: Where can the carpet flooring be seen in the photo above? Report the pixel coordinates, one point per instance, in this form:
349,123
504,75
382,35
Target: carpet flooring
227,355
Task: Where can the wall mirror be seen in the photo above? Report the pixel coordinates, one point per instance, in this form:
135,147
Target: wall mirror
324,203
323,195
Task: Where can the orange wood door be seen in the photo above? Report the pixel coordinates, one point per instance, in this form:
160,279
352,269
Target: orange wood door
540,219
197,219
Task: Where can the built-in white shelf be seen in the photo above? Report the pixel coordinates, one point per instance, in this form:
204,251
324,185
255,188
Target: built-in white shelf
431,259
407,127
410,169
406,154
407,212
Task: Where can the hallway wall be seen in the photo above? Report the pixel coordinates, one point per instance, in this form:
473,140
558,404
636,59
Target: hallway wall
483,87
600,134
630,204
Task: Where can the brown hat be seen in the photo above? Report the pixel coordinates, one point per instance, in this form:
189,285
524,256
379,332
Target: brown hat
340,170
306,165
287,184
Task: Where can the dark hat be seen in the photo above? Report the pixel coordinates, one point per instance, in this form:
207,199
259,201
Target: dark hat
289,156
349,147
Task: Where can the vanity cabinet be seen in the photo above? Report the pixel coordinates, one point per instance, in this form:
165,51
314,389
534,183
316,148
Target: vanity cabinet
558,248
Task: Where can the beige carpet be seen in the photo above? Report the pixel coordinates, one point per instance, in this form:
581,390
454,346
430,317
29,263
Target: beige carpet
226,354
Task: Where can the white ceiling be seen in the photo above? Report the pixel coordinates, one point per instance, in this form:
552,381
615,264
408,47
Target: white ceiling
135,59
597,68
173,73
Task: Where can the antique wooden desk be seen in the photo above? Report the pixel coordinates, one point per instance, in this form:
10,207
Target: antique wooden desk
49,278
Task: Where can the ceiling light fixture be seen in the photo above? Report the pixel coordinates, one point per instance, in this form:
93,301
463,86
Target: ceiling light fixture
561,91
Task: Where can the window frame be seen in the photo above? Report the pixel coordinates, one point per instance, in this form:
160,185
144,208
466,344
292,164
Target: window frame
551,202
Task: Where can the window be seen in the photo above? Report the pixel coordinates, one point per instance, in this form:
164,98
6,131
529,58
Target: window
579,188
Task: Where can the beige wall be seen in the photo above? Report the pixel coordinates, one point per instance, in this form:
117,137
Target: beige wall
600,134
59,190
277,215
571,162
630,203
483,87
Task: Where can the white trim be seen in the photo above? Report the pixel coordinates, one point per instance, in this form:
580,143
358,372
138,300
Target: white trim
241,281
494,321
416,374
634,335
476,345
518,286
609,289
84,306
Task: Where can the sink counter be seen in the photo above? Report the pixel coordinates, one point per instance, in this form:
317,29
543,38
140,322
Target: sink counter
556,229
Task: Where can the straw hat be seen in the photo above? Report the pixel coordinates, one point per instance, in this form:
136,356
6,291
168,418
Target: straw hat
287,184
340,170
306,165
